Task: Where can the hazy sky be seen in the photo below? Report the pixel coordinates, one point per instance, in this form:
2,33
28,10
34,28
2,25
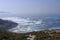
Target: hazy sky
30,6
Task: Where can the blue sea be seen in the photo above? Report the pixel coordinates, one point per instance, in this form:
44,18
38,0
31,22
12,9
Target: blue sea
32,23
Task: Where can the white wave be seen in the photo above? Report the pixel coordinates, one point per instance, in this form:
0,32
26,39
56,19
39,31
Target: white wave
25,25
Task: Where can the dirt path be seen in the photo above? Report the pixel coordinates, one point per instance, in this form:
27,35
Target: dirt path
31,37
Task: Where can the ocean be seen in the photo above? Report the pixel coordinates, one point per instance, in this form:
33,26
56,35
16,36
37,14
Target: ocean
34,23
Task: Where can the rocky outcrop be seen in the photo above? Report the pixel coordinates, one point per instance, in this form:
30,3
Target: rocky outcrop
6,24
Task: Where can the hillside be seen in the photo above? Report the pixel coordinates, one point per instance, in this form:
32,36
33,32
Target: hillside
40,35
47,35
5,35
7,24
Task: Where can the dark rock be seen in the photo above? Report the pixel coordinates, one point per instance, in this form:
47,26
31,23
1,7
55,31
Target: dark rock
7,24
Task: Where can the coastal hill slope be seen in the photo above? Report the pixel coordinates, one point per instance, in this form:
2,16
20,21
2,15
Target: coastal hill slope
7,24
40,35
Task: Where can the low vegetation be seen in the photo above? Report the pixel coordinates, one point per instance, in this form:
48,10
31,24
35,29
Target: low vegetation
5,35
40,35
